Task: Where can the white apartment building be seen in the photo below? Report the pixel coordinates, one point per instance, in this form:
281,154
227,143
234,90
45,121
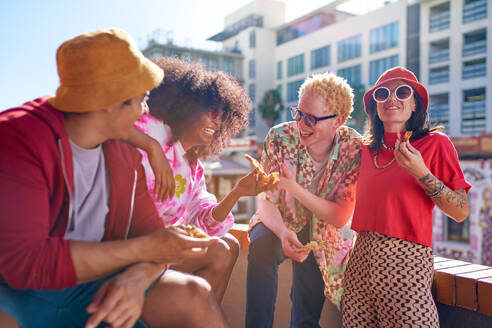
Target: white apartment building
446,43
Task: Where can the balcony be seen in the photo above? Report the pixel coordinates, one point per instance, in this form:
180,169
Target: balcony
474,68
439,21
438,56
439,75
439,113
232,30
474,10
462,292
473,109
474,48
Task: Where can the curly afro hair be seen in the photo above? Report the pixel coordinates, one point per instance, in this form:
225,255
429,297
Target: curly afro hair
188,91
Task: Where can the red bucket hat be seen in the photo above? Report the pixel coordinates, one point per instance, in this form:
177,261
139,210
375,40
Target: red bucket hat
398,73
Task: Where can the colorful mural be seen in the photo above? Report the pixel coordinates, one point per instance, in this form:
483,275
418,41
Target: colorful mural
471,240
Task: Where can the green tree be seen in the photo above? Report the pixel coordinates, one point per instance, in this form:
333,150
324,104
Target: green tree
359,115
271,107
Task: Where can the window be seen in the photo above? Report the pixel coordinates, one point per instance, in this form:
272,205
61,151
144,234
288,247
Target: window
279,70
229,65
213,63
473,112
474,68
295,65
288,116
352,74
252,39
279,90
439,51
439,17
349,48
457,231
475,42
320,57
292,90
439,109
439,75
252,118
384,37
377,67
252,92
252,69
474,10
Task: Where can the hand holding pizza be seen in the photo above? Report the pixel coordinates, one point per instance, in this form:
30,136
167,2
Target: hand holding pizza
264,181
409,158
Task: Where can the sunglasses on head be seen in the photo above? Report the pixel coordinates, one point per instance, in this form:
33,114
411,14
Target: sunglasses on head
402,93
309,120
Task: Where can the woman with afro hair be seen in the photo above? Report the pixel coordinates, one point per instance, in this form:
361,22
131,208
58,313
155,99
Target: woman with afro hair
193,114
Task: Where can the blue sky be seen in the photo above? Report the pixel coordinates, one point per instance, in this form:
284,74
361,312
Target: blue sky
32,30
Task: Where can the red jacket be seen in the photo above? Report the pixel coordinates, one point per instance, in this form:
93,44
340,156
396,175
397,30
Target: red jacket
36,186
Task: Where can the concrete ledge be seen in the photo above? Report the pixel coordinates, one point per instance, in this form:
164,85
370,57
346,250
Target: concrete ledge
456,284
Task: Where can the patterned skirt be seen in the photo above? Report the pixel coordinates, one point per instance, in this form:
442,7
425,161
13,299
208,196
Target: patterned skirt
388,284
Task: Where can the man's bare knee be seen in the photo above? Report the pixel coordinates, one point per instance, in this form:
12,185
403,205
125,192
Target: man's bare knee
197,287
170,300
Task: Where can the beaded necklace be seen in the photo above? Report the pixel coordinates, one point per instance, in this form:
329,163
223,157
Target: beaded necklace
389,148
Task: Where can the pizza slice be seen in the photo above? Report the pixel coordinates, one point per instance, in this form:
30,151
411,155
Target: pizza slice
192,231
406,137
264,178
315,245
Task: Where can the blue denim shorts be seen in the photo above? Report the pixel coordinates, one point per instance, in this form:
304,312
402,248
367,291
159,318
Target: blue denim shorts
53,308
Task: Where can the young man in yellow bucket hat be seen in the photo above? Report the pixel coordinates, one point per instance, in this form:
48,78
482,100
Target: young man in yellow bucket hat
81,242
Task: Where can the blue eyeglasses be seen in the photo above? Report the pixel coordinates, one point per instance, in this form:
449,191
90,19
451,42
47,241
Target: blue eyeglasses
309,119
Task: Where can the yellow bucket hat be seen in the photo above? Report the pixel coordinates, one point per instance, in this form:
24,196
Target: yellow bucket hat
102,68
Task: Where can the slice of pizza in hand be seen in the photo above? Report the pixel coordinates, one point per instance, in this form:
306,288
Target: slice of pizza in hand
192,231
315,245
264,178
407,136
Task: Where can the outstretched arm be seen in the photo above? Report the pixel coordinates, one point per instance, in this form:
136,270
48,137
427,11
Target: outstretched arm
246,186
164,177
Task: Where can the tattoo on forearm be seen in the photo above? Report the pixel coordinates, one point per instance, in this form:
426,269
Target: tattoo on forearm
447,196
431,183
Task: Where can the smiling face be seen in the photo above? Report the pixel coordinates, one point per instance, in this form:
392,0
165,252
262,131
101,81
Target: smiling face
202,130
320,137
122,117
395,113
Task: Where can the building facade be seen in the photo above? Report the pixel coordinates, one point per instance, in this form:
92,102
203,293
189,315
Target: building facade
446,43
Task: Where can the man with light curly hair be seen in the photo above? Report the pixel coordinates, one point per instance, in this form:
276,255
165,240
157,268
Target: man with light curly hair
318,158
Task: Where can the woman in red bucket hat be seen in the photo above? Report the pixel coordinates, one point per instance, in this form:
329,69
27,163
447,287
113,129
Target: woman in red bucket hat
390,271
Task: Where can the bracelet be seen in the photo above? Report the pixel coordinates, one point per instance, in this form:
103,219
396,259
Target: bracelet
436,193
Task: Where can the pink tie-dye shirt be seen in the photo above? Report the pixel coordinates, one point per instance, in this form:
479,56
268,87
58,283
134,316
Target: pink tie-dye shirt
191,204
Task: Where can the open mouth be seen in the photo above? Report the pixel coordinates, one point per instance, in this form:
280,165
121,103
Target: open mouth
392,107
305,133
209,131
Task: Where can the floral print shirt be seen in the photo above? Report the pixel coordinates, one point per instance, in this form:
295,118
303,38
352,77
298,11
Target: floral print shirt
191,204
337,184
